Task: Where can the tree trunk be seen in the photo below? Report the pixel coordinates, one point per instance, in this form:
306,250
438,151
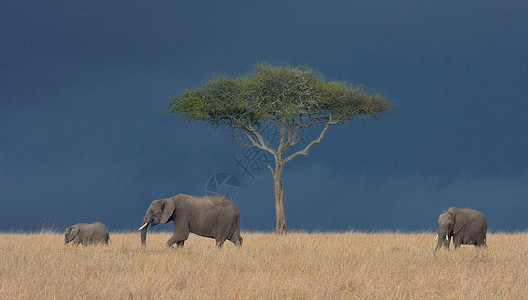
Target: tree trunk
280,225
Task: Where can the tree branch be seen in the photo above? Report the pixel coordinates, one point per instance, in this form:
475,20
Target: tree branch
256,139
293,138
293,129
298,126
310,145
281,148
272,171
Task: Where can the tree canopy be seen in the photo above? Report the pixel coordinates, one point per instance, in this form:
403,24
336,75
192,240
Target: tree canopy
294,98
276,94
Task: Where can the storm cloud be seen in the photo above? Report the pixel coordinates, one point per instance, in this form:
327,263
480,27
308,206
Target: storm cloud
85,135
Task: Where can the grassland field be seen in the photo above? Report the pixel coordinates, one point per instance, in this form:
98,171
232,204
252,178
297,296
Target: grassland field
349,265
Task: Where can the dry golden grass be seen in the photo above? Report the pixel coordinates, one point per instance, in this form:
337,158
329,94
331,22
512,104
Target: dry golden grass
298,265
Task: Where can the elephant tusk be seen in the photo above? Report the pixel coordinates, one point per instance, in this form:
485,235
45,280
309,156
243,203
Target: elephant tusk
436,237
447,237
144,225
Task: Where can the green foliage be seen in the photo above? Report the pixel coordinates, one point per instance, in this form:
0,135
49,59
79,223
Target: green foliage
276,94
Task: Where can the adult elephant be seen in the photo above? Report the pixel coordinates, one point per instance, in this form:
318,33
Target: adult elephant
466,226
213,216
83,233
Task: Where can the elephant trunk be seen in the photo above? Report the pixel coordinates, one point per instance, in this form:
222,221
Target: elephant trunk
439,244
144,236
443,239
68,236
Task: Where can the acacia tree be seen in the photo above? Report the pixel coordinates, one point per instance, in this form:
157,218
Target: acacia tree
292,98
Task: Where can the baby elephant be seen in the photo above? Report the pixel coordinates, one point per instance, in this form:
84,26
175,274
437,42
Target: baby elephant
83,233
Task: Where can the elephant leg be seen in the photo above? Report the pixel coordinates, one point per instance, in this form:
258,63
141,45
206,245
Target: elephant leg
457,241
236,238
220,242
238,242
174,239
177,239
181,233
481,243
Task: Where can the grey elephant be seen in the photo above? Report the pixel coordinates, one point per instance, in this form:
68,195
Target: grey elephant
466,226
86,234
212,216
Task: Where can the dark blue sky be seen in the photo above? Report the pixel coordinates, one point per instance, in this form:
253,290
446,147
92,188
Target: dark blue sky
84,86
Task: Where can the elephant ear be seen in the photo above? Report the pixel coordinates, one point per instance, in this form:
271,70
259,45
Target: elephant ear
73,231
167,210
460,219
